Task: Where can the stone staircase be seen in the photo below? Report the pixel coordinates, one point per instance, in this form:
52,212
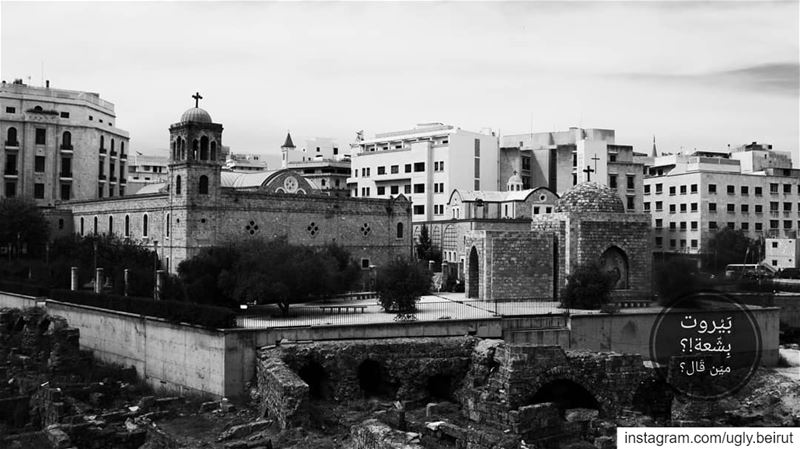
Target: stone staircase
539,330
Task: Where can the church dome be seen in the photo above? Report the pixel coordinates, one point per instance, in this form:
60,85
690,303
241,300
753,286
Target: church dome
196,115
590,197
515,179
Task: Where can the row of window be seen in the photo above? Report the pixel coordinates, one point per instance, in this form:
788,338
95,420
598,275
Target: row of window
713,225
774,206
126,226
203,149
673,243
65,192
40,138
630,182
394,169
774,189
399,146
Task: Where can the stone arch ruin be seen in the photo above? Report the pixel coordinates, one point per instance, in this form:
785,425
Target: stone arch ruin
615,261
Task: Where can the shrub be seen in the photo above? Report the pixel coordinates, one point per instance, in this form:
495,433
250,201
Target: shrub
400,285
23,288
588,287
173,311
676,278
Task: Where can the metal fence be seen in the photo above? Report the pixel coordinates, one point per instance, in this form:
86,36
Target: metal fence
370,312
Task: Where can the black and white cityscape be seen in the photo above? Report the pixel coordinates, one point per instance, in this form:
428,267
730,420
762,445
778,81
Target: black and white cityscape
396,225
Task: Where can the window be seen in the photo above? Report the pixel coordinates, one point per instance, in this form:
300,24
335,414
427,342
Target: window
773,206
787,189
712,188
631,204
694,207
612,181
683,243
672,226
477,184
787,224
671,190
672,243
364,264
745,208
683,190
100,190
659,223
65,115
731,190
694,243
144,225
712,207
10,110
745,190
399,230
394,190
759,191
419,166
382,170
95,225
38,191
659,241
773,224
419,209
11,137
659,206
683,226
167,225
407,189
110,224
66,192
759,226
787,207
381,190
773,188
712,225
419,188
693,188
693,225
658,188
41,136
38,164
672,208
81,225
683,207
731,225
759,209
203,185
178,185
647,207
731,208
395,169
745,226
407,168
127,226
647,189
477,148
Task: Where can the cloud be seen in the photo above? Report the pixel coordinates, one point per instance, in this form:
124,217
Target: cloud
778,78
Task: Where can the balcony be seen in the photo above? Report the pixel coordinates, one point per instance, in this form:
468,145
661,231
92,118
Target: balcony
103,150
65,175
113,152
11,172
113,179
101,177
66,147
123,155
14,144
123,180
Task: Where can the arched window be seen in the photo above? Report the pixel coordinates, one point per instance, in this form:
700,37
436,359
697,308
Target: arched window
182,150
168,225
399,230
615,261
102,142
195,148
213,151
37,108
122,147
174,153
112,144
110,224
127,226
203,187
204,148
81,226
11,137
66,139
95,225
178,185
144,225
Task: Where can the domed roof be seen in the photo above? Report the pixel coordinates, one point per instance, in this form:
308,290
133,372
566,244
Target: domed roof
196,115
590,197
515,179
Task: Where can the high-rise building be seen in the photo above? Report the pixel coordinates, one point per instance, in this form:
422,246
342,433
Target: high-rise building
425,164
692,196
59,145
560,160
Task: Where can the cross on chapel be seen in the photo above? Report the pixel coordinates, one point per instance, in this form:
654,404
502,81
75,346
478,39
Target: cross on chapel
197,97
588,170
595,159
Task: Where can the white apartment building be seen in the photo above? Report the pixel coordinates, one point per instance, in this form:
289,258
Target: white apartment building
59,145
316,149
782,253
561,159
425,164
690,197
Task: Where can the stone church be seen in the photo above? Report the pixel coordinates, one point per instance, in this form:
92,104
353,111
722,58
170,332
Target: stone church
589,224
202,206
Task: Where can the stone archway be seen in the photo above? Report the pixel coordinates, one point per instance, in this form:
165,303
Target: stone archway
565,394
473,289
615,261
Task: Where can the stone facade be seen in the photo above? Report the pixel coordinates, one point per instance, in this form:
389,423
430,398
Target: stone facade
589,225
200,207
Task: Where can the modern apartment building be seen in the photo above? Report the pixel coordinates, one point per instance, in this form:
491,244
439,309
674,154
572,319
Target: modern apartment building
59,145
690,197
425,164
560,160
782,253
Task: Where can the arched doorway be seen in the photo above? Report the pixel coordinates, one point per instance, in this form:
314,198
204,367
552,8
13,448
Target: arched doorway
317,379
373,380
615,261
441,388
565,394
473,288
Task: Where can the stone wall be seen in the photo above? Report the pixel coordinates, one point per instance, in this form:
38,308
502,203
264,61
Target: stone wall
284,396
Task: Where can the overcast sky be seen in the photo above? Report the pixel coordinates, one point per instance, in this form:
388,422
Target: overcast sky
693,74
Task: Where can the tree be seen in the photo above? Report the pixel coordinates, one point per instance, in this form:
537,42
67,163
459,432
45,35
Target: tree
400,285
727,246
207,277
425,249
22,225
676,278
588,287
